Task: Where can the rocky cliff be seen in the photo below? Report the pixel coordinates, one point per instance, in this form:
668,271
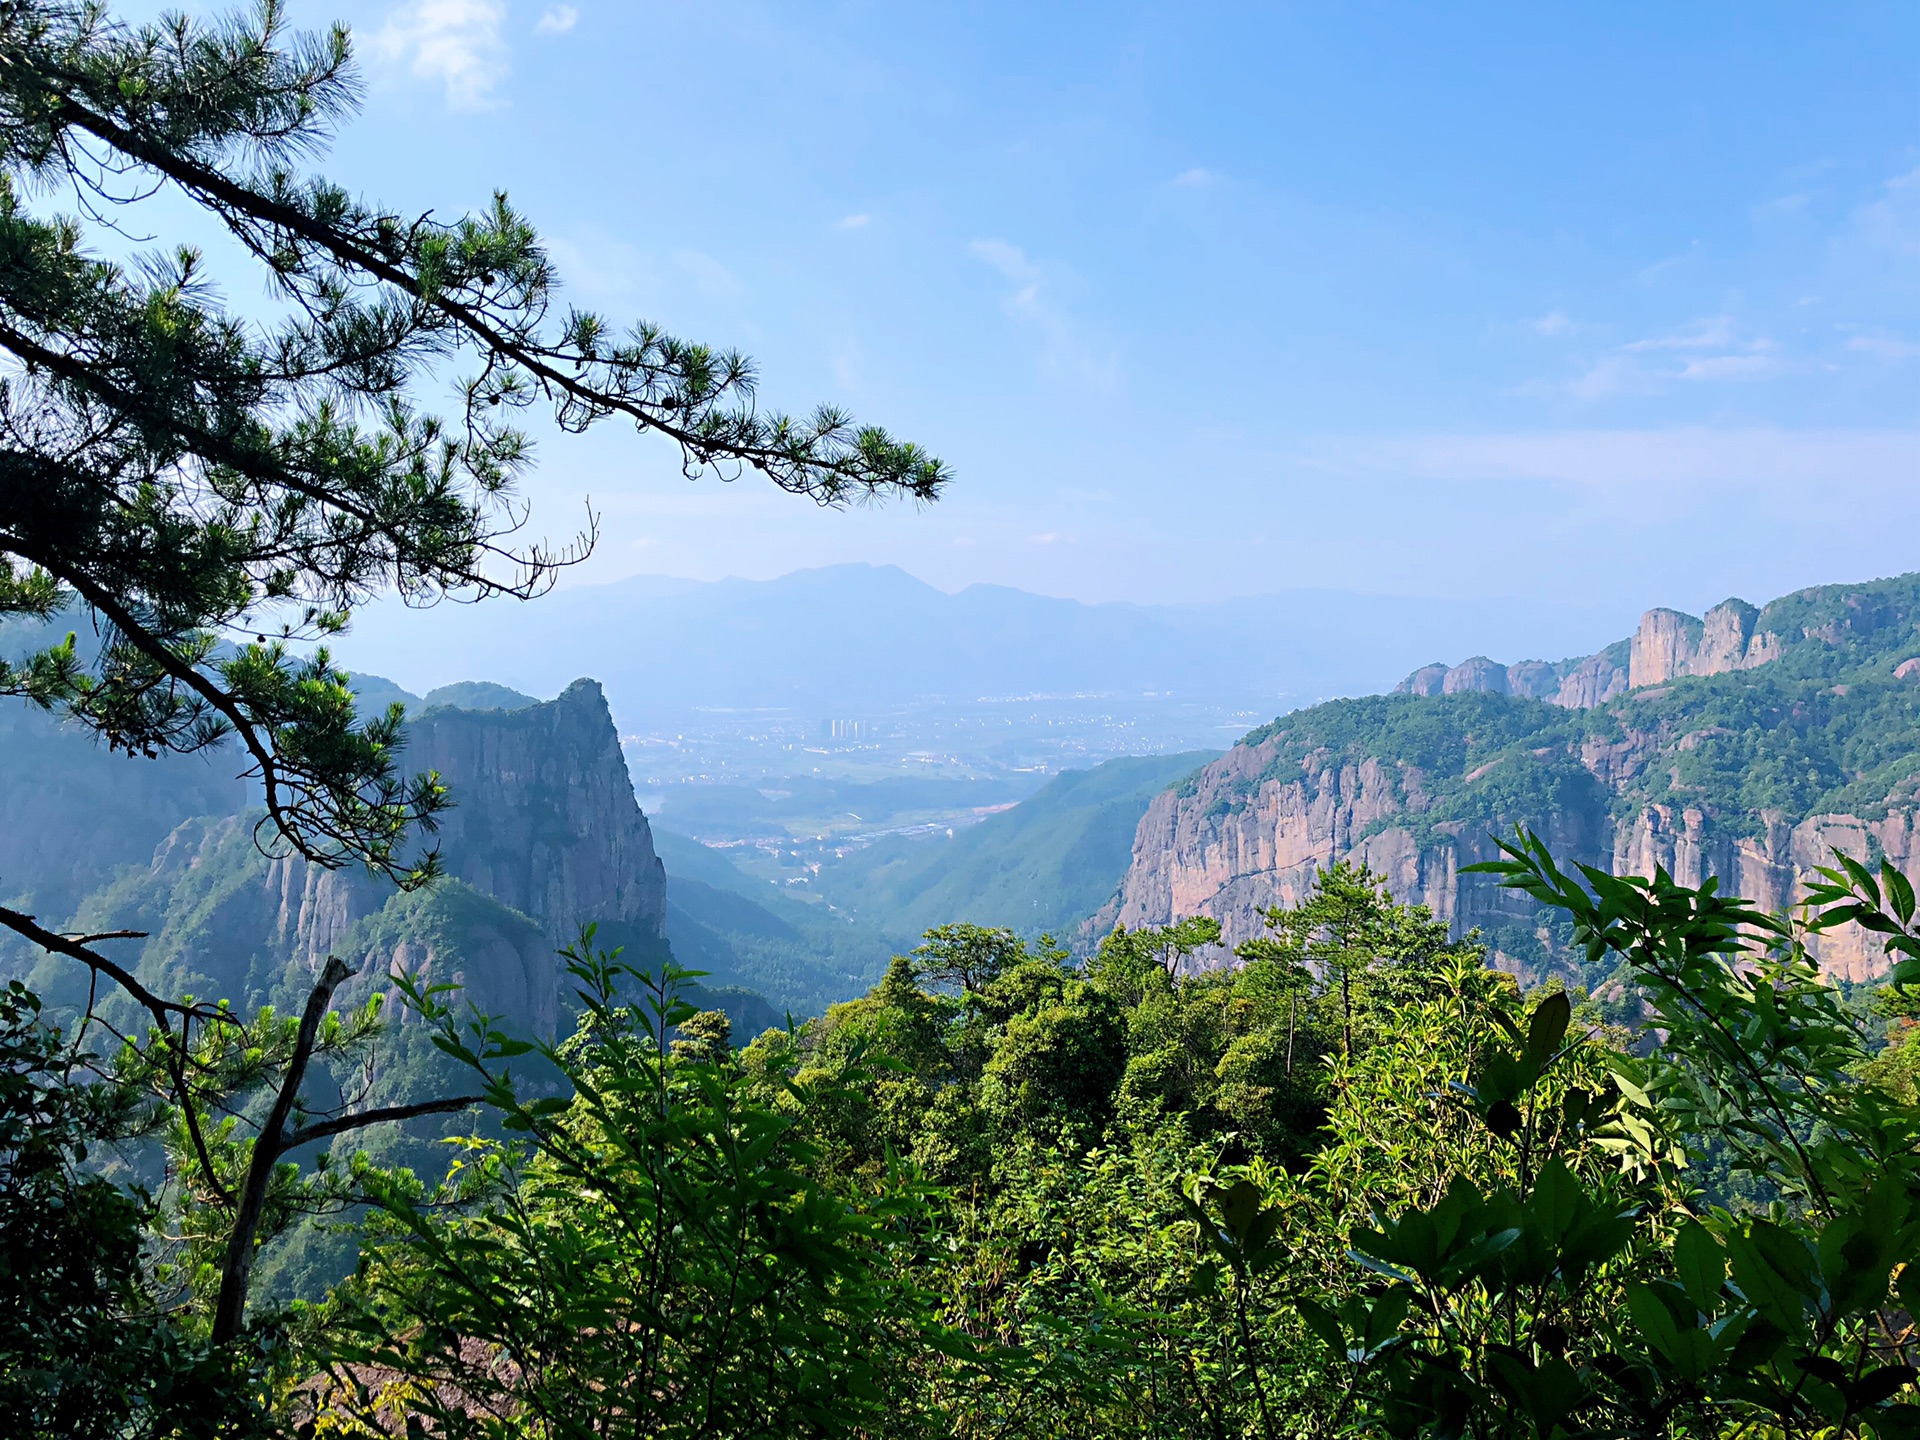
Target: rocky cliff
545,836
1733,635
1747,744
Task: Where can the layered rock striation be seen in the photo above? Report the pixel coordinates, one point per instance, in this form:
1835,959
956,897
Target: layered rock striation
545,836
1747,744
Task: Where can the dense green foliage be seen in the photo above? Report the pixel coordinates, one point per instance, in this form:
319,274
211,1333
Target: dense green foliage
206,491
651,1258
1357,1184
88,1349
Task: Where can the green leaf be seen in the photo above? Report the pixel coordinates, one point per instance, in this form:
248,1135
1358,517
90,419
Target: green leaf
1880,1385
1388,1314
1899,891
1323,1324
1653,1319
1239,1206
1699,1264
1777,1296
1861,876
1504,1119
1549,1027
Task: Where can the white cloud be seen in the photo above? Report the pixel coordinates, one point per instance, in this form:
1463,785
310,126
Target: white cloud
1553,323
454,42
557,20
1197,178
1709,351
1893,221
1652,467
1703,335
1031,302
1011,261
1884,347
1756,362
855,222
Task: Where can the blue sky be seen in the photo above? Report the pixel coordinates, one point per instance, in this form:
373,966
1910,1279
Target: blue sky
1617,301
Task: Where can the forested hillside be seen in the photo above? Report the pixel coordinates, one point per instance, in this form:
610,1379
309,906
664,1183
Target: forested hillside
1043,866
1744,748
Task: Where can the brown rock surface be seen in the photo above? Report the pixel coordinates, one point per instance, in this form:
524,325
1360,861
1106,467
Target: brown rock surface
1234,844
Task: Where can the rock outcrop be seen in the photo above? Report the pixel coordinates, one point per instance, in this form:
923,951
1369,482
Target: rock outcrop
1667,645
545,836
1238,841
1234,845
1678,770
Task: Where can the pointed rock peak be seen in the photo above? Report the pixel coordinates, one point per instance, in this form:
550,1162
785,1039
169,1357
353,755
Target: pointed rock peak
1427,680
584,691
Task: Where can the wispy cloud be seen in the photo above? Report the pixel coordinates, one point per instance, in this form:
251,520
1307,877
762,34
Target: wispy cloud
1198,178
557,20
1781,206
1031,301
1884,347
855,222
1709,334
1648,274
1709,351
1618,466
455,43
1554,322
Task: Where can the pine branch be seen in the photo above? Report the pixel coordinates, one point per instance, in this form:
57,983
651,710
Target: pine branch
341,1124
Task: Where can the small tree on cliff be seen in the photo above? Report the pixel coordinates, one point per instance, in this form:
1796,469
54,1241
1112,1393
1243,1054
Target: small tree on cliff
205,491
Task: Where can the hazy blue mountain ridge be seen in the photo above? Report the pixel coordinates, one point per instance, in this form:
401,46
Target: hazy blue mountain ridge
849,636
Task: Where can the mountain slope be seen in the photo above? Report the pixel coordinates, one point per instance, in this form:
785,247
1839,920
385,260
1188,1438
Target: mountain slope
1752,771
743,931
1043,865
545,833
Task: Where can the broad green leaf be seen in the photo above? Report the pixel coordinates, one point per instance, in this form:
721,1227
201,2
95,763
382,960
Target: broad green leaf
1699,1264
1322,1323
1549,1026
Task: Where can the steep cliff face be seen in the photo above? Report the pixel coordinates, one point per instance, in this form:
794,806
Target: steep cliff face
545,836
1668,645
545,819
1243,839
1748,744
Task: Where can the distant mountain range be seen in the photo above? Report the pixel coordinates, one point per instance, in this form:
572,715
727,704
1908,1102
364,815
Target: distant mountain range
849,636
